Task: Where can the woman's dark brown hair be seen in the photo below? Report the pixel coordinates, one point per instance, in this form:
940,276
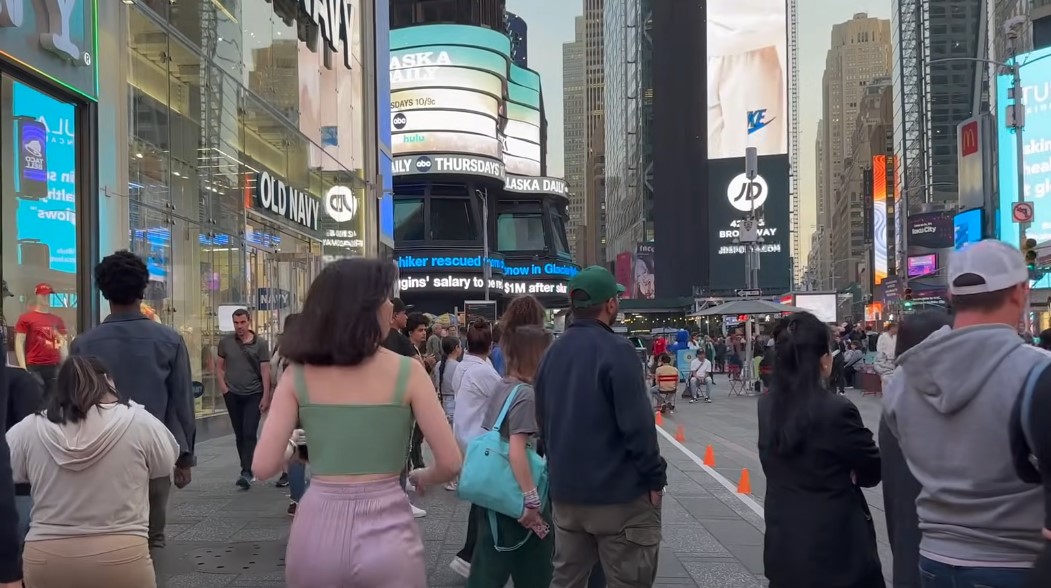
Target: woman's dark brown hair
82,384
339,324
523,310
524,348
479,337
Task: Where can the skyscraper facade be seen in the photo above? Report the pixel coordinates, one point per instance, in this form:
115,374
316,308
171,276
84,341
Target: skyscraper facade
575,135
629,118
595,113
860,52
482,13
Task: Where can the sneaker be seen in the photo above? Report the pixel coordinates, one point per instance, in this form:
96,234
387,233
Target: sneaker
292,505
417,513
282,482
451,486
460,566
708,400
693,401
243,482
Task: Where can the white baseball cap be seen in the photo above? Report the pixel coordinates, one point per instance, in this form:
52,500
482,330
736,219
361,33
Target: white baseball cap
999,266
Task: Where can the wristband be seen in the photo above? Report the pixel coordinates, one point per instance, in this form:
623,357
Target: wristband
532,499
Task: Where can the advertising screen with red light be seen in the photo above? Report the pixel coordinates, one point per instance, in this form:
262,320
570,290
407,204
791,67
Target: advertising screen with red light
922,265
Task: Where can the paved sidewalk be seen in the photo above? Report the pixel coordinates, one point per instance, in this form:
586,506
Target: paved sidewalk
220,536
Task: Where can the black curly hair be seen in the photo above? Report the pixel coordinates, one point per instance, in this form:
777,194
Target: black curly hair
122,278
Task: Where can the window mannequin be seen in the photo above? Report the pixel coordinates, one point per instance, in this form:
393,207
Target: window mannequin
40,338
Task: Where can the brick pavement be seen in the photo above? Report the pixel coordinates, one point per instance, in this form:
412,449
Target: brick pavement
219,536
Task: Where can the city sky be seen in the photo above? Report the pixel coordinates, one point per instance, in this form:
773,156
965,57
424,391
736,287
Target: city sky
551,25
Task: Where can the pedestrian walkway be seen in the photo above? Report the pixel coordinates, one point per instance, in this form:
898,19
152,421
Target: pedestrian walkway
219,536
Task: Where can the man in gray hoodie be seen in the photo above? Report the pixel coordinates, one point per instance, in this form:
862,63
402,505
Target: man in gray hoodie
949,406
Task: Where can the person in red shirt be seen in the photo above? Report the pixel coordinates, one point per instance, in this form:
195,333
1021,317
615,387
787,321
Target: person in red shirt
40,338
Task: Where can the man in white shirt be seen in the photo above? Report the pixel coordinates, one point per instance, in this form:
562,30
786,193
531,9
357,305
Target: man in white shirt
884,364
700,370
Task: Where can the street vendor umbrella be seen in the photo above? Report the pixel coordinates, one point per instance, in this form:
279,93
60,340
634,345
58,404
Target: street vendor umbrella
739,307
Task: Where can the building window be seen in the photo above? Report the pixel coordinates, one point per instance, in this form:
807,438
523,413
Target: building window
408,220
451,220
520,228
559,221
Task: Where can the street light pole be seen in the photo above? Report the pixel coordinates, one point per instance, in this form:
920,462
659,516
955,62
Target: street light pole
1017,123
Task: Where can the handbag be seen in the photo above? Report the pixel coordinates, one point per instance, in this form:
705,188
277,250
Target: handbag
486,478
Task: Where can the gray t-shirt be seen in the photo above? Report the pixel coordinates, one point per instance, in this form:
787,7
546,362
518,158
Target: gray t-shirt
521,416
244,363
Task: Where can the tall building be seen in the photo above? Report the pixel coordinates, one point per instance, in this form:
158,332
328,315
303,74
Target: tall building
575,136
860,52
595,113
933,93
518,31
872,136
483,13
629,125
819,262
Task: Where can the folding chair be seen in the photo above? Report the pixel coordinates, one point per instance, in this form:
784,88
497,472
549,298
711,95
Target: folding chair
736,383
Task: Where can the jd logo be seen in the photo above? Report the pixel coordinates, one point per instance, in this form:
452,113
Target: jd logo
745,195
423,164
56,20
757,120
400,121
340,204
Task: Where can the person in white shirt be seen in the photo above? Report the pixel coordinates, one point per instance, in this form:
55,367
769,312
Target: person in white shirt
884,364
700,372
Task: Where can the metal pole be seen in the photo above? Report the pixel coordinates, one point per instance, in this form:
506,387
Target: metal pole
486,268
1019,125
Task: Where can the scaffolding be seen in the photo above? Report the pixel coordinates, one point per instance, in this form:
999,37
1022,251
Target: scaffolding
793,142
911,77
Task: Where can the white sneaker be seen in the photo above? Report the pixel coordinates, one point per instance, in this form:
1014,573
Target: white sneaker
451,486
417,513
461,567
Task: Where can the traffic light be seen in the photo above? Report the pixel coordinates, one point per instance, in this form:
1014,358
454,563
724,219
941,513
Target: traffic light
908,299
1029,250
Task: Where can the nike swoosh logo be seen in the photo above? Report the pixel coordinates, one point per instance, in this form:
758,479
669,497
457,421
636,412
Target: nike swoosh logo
758,127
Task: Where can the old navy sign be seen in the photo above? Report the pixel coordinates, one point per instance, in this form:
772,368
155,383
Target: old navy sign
55,37
534,185
333,18
283,200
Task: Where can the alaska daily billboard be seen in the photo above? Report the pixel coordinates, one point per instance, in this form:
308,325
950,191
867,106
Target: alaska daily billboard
459,104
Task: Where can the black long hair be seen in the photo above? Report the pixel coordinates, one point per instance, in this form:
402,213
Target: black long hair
83,383
800,341
917,327
449,344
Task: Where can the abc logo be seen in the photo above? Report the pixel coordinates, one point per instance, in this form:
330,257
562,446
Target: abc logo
399,121
423,164
744,195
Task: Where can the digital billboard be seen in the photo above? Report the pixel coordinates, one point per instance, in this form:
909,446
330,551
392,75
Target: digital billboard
1036,151
747,77
879,219
456,91
967,228
726,210
642,277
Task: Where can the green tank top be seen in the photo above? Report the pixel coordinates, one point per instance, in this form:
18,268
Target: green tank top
357,439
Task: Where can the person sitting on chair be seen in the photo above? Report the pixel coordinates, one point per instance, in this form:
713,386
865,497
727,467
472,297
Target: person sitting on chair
667,383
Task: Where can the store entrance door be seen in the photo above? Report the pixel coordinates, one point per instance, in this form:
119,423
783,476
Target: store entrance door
278,284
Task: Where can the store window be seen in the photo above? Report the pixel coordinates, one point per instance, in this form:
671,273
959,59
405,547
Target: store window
408,220
520,229
451,220
38,144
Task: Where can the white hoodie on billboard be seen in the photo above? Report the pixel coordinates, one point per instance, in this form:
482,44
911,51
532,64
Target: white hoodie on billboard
91,477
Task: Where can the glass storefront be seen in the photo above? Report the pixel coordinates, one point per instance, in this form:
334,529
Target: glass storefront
40,154
245,162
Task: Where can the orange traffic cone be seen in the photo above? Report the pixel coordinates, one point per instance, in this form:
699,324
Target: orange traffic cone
745,485
709,457
659,418
680,434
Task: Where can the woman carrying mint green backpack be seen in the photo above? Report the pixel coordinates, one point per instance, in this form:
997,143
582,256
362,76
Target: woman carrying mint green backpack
496,557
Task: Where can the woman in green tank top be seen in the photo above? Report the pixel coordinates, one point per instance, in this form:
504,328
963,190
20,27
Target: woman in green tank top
357,403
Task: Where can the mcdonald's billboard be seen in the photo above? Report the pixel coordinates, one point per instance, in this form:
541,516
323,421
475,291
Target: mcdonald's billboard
972,159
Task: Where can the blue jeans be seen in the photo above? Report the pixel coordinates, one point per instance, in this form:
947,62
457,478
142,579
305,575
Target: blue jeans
938,575
297,479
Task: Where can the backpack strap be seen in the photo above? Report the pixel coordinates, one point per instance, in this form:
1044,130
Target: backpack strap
301,384
1027,402
507,406
401,385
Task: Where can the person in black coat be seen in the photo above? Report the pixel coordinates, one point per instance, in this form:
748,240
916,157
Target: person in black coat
10,543
900,487
25,396
817,455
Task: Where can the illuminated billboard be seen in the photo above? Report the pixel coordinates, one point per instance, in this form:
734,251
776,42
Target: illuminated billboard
879,219
1037,145
747,77
456,92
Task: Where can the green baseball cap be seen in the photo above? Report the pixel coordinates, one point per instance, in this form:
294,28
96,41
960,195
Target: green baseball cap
593,285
